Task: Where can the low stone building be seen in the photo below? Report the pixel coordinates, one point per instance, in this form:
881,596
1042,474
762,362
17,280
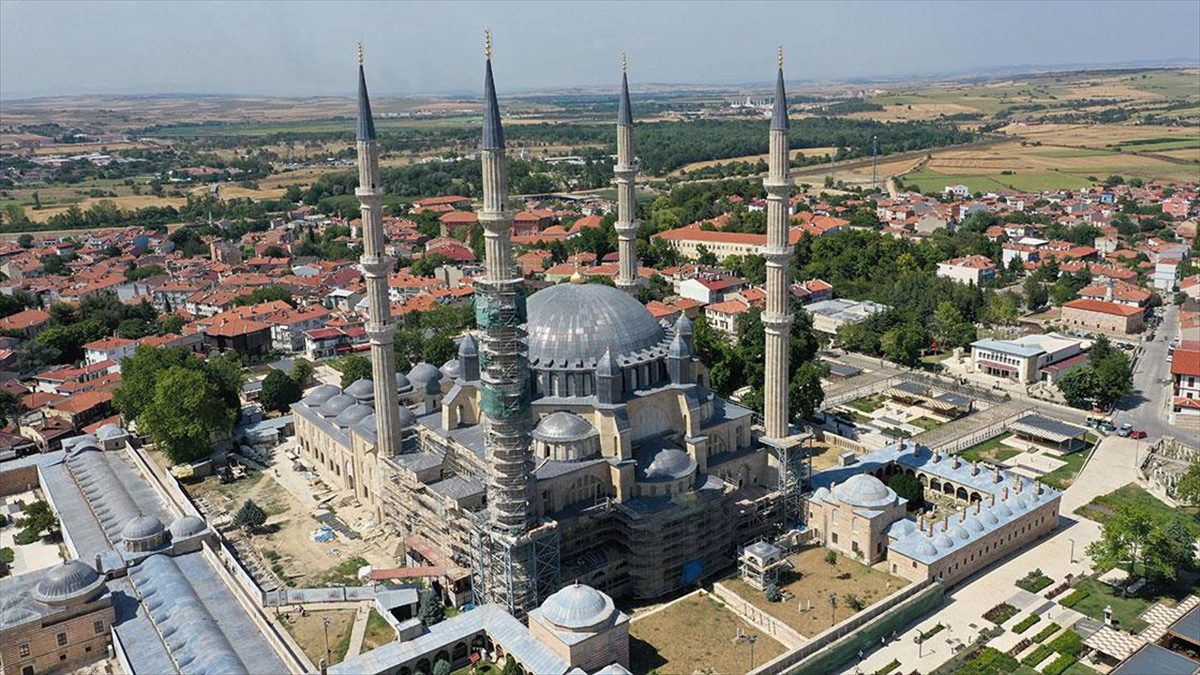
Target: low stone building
1102,316
55,620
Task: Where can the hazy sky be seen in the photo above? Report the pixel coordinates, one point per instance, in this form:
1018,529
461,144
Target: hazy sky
307,48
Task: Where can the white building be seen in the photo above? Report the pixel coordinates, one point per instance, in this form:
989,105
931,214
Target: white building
1029,358
972,270
830,315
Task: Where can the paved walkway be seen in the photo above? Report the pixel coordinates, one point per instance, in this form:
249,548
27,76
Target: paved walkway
1111,466
359,630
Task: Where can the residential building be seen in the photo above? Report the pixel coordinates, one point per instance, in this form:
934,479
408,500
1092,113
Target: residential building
108,349
973,269
1185,389
26,323
723,316
1106,317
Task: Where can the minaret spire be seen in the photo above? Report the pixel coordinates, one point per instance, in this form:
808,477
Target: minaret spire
625,176
375,266
777,319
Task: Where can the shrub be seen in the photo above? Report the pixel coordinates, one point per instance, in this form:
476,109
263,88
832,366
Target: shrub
1020,646
1046,632
772,593
1026,623
990,661
831,557
1067,643
888,668
1034,581
853,602
25,537
1058,590
7,555
1058,665
1074,598
932,631
1000,613
250,516
1037,656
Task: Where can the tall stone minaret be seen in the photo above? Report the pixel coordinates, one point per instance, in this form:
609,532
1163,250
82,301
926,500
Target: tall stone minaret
777,319
625,172
500,313
375,267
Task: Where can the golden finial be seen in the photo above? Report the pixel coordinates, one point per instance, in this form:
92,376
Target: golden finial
780,56
487,43
360,53
624,64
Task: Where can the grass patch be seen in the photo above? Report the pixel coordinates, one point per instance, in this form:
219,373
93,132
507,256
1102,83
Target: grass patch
1125,610
992,450
1041,653
1074,598
1068,643
344,573
868,404
1000,613
926,423
1102,507
1078,668
1034,581
379,631
992,661
1062,477
888,668
1026,623
1057,666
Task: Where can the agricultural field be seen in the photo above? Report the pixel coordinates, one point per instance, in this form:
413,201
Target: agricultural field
803,152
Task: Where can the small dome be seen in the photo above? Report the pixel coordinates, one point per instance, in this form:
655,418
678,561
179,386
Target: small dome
86,441
110,432
1003,509
142,527
974,525
406,417
901,529
362,390
353,414
577,607
452,369
320,394
669,464
960,533
187,526
73,580
926,548
990,518
335,405
562,427
403,385
366,428
821,494
866,491
423,373
943,541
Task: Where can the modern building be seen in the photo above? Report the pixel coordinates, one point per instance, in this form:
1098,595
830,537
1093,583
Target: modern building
974,270
1103,316
830,315
995,513
1030,358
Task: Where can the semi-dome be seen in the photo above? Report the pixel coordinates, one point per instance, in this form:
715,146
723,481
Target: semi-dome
866,491
335,405
669,464
403,385
353,414
73,580
321,394
573,323
577,606
362,390
110,432
563,426
452,369
187,526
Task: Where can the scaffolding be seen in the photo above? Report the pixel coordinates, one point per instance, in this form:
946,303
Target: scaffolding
790,485
517,573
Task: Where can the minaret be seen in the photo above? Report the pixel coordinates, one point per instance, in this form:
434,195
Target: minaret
375,267
500,312
777,318
625,172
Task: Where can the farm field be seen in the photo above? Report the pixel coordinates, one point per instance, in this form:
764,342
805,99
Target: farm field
802,152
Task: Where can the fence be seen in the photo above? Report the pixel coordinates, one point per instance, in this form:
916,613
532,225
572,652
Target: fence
861,632
314,596
758,618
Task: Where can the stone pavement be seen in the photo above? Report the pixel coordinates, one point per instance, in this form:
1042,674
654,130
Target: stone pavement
1110,467
359,630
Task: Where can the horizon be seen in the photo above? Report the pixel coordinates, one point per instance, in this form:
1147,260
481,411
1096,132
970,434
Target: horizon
137,53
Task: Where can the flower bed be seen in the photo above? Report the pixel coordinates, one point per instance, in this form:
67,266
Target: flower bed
1057,666
1037,656
1000,613
1069,643
1034,581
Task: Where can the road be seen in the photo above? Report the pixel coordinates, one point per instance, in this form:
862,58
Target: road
1146,407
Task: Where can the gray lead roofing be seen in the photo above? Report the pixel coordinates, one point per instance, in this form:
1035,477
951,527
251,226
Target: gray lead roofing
779,113
366,123
493,132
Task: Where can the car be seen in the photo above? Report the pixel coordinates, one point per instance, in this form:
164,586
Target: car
1137,433
1125,430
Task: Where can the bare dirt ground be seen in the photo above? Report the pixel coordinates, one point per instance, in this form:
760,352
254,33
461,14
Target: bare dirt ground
914,111
655,644
309,632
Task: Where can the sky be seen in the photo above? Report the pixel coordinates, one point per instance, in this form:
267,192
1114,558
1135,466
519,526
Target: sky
283,48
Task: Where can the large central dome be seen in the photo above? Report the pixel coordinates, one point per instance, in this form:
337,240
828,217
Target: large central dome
572,324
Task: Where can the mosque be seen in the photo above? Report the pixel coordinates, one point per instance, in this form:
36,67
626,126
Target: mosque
646,478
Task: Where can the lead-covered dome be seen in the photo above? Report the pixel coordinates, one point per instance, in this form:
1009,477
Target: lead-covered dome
73,580
571,323
321,394
866,491
187,526
352,415
335,405
563,426
668,464
577,607
362,390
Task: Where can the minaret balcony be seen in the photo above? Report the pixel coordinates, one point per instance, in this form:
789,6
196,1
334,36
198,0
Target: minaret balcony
375,266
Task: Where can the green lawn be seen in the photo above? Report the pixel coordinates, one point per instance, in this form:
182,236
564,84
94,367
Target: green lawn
1101,507
1062,477
1078,668
1125,610
1181,144
933,181
925,423
867,404
991,450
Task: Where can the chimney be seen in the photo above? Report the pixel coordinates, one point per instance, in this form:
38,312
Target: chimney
920,525
975,468
937,456
1004,494
991,500
1020,485
954,463
977,508
962,516
945,523
1039,487
99,565
1108,289
996,473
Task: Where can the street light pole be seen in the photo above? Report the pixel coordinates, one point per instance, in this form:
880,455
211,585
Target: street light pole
1072,550
328,654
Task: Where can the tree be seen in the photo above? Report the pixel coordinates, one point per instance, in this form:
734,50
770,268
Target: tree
442,667
945,319
171,324
430,609
772,593
1078,386
251,516
36,518
25,240
1123,536
903,344
354,368
265,294
1187,490
183,414
1036,294
805,393
705,257
301,372
909,487
510,666
1169,547
140,374
10,406
831,557
279,391
1114,378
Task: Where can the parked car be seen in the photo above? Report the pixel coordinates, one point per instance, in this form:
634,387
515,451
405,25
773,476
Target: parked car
1125,430
1137,433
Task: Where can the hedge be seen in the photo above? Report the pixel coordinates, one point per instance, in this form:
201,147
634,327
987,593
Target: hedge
1058,665
888,668
1067,643
932,631
1026,623
1046,632
990,661
1037,656
1074,598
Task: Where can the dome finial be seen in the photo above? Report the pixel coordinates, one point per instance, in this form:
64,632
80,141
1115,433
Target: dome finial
576,277
487,43
624,63
780,56
360,53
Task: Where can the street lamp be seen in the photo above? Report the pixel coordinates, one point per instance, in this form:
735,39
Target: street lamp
748,639
328,654
920,643
1072,550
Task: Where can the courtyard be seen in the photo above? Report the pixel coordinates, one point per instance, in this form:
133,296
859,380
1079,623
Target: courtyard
807,591
695,634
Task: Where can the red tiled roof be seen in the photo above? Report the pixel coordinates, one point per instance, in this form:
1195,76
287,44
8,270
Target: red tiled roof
1103,307
1186,362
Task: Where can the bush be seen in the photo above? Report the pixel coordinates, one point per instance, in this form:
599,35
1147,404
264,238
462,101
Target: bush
853,602
1034,581
1046,632
888,668
932,631
250,516
1058,590
25,537
831,557
1000,613
1067,643
7,555
1058,665
1074,598
1037,656
772,593
1026,623
990,661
